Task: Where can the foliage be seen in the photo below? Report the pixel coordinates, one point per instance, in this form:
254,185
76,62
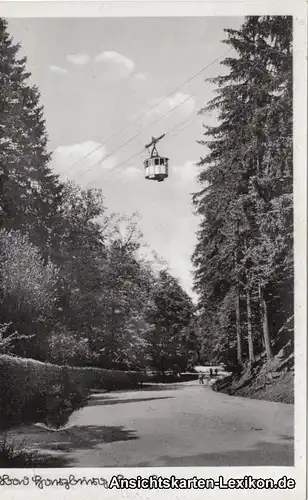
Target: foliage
29,191
32,391
27,290
169,317
74,286
18,454
244,253
68,349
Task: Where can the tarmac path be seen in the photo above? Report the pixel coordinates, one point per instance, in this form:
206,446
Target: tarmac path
184,424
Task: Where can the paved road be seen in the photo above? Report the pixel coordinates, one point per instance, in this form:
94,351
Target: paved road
181,425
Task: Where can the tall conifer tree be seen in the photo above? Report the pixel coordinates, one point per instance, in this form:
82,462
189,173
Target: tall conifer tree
246,232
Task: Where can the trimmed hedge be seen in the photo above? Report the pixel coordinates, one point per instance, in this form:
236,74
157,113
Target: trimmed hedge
170,378
32,391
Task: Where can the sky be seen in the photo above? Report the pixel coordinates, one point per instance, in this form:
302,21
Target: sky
102,83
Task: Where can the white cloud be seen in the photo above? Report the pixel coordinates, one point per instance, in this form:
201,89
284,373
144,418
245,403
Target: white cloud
184,176
83,162
140,76
167,219
117,64
183,103
175,110
132,172
79,59
57,69
185,173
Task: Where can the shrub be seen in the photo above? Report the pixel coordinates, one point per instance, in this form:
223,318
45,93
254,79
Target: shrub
27,292
27,283
11,452
18,455
170,377
32,391
65,348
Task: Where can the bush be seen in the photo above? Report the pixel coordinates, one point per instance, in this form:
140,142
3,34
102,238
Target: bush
27,284
11,452
18,455
32,391
170,377
28,293
66,348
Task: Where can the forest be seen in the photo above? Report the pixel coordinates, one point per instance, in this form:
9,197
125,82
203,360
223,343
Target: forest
243,259
74,287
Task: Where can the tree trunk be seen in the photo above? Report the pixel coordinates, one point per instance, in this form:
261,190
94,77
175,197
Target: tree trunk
198,345
238,329
265,328
237,306
198,357
249,328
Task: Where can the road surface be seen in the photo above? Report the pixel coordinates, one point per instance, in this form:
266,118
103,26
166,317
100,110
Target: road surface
185,424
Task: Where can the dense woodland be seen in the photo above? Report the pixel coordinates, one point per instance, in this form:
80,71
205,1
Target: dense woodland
73,286
244,255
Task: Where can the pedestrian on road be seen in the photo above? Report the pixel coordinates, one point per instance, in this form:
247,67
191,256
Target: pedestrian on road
211,373
200,377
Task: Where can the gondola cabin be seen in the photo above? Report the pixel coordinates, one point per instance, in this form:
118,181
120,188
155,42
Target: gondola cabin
155,167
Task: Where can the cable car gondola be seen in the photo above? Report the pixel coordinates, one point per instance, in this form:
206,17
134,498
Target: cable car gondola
155,167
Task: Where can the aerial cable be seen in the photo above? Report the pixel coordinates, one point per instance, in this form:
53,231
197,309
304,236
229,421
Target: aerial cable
117,168
139,153
116,171
148,111
135,136
123,169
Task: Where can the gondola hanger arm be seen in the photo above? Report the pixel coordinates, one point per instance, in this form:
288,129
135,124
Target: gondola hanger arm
153,143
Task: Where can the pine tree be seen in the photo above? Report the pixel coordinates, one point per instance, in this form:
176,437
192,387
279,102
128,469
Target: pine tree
246,199
92,294
29,191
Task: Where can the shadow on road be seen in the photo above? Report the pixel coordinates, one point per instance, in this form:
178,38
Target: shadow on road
54,446
161,387
105,401
83,437
263,454
144,387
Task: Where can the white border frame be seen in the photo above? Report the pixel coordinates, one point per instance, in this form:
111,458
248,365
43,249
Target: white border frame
174,8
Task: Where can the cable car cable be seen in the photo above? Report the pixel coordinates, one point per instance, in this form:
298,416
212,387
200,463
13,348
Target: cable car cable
148,111
135,136
117,171
138,133
141,152
123,169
